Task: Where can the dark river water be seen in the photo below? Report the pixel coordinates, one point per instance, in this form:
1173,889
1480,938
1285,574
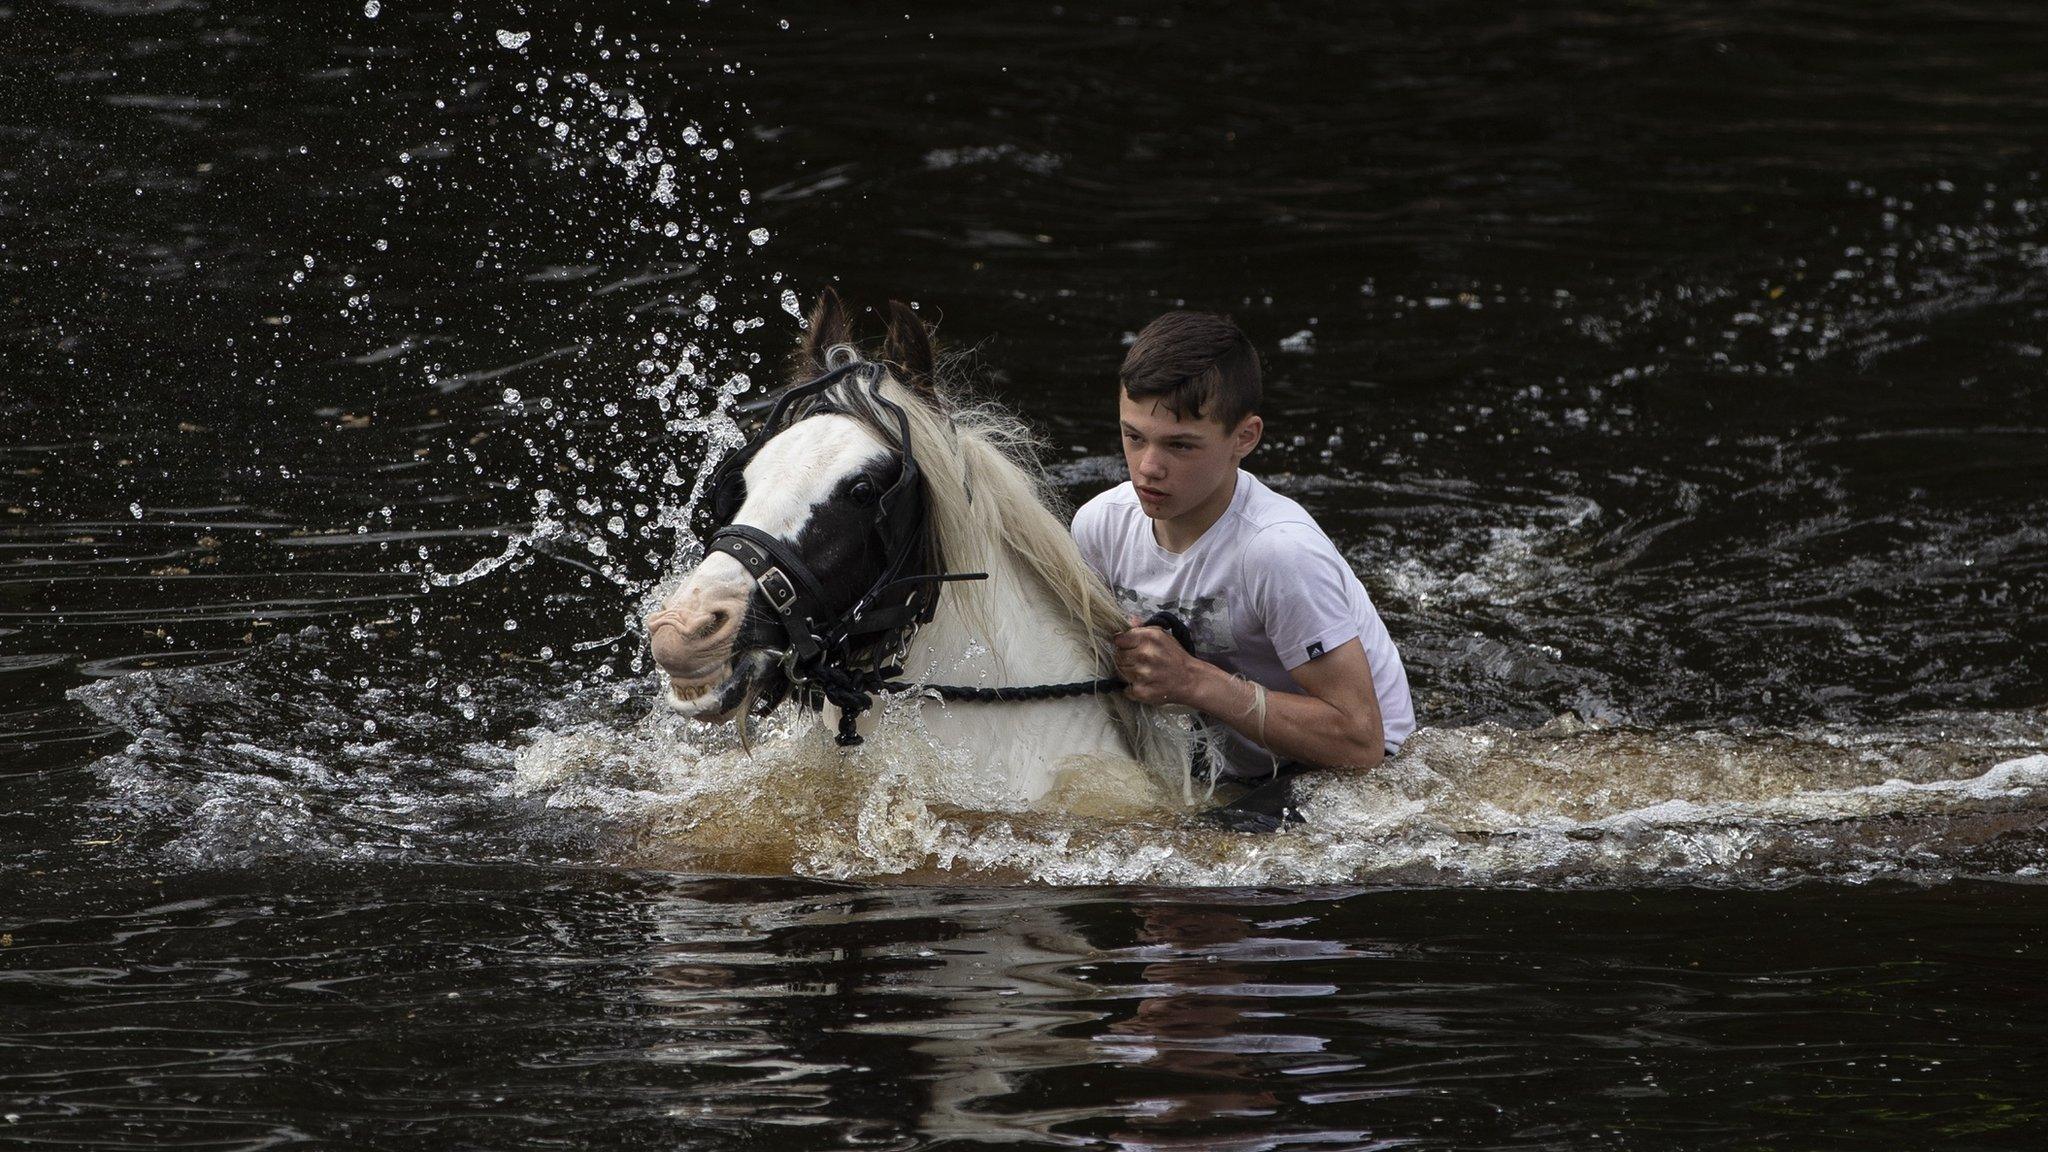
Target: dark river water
1671,373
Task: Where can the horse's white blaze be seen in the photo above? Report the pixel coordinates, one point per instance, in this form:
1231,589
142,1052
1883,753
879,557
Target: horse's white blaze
797,470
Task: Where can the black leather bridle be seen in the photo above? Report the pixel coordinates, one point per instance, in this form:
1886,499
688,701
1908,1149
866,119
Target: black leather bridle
841,656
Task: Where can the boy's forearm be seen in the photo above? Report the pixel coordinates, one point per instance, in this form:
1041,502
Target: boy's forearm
1298,726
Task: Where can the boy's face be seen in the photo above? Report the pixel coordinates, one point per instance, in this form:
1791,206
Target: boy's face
1179,465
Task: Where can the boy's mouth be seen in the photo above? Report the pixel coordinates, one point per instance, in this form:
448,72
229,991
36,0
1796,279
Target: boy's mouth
1149,493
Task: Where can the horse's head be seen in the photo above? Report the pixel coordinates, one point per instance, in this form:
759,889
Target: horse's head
818,508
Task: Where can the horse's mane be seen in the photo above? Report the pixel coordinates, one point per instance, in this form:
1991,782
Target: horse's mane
985,490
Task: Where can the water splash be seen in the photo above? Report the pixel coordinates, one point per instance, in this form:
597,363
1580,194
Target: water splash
273,758
622,340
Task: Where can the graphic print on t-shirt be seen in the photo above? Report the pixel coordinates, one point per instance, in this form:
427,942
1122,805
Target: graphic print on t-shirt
1207,617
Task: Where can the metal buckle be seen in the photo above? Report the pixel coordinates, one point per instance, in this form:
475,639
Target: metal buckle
781,593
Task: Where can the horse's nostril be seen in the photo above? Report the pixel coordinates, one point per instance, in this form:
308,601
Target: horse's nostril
714,621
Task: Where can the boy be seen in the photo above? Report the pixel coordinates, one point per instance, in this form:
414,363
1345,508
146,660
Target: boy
1288,651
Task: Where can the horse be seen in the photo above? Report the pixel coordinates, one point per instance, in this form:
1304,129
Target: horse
879,523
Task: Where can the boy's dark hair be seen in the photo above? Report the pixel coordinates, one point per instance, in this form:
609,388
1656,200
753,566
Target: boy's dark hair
1192,361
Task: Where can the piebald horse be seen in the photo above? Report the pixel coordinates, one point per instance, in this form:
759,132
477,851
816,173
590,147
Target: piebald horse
828,495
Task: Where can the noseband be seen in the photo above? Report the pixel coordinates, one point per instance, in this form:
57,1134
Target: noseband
841,657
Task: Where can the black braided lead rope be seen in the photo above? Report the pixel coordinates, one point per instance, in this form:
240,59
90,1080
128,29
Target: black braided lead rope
972,694
853,692
1174,625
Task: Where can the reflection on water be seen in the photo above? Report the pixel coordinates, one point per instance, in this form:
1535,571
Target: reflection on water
1306,1019
521,1006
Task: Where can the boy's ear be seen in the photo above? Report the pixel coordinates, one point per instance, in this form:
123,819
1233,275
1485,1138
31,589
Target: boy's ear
1249,430
909,347
829,326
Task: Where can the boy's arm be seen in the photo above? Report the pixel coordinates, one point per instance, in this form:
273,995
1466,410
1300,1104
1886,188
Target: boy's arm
1334,721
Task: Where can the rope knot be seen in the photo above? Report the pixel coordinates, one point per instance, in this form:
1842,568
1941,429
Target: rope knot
850,693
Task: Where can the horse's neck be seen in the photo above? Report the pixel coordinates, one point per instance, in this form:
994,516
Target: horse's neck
1022,639
1022,636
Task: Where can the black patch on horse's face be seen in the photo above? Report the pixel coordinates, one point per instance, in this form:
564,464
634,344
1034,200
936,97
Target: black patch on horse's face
842,546
841,542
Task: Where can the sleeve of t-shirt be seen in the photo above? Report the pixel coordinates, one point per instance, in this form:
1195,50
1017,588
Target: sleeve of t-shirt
1300,586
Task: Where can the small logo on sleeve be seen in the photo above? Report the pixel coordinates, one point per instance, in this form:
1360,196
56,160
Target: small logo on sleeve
1315,649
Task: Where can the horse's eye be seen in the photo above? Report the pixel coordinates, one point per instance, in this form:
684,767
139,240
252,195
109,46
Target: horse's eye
863,491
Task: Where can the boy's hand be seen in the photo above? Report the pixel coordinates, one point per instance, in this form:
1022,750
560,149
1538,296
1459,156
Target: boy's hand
1157,668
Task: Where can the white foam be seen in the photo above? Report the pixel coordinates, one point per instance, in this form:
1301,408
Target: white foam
1461,806
231,774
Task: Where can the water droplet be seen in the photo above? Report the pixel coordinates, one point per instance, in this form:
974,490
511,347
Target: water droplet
135,510
758,236
508,39
371,8
707,302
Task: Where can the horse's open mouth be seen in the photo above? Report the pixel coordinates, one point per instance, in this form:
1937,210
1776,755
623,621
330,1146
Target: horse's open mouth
714,700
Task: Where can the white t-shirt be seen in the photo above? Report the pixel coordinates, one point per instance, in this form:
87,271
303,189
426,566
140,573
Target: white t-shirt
1263,591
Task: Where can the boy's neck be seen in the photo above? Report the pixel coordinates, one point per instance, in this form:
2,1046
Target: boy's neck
1180,533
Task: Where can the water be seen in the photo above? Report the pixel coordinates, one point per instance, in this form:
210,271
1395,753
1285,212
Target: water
1671,375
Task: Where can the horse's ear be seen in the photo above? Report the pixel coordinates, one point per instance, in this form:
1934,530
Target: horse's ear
828,327
909,346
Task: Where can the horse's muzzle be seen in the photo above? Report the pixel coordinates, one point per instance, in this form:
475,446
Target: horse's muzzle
757,672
